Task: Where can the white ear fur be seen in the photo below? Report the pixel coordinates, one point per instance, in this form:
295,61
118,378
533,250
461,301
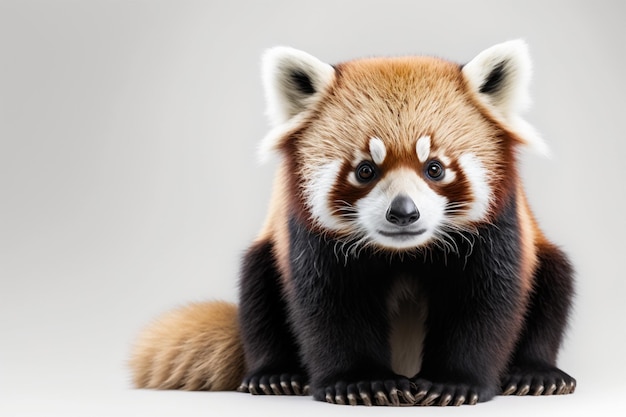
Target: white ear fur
500,76
293,80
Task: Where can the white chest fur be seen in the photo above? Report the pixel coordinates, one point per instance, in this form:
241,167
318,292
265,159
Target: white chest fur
407,313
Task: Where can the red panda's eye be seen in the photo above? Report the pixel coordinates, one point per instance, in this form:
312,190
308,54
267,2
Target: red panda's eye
434,170
365,172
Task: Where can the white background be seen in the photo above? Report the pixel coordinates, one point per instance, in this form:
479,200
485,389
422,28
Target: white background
129,182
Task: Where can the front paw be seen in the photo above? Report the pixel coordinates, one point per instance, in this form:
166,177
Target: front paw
429,393
395,391
537,381
274,384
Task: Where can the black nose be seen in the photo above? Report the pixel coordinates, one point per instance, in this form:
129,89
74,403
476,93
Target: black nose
402,211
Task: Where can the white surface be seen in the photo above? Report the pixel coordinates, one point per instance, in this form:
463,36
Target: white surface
129,182
118,402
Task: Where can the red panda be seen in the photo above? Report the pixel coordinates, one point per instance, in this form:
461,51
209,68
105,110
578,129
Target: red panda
400,262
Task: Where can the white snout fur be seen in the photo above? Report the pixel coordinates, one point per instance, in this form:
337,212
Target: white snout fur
372,210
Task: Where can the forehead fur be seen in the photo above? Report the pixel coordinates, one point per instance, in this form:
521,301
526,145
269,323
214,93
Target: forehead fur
399,100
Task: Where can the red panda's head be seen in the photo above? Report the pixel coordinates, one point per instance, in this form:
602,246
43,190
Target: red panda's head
398,152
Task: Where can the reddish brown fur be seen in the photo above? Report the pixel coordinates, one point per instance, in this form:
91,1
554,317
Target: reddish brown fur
529,235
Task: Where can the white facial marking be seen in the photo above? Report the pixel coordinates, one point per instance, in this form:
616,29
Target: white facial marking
318,190
449,176
423,148
444,159
359,157
477,176
377,150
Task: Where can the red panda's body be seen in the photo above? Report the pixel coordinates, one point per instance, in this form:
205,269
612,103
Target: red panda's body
400,262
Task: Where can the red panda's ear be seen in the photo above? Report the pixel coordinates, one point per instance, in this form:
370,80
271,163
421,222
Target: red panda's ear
293,81
500,76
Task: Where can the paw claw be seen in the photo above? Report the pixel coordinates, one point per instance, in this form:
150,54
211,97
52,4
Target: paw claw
410,399
572,387
381,392
510,389
420,395
538,380
276,390
523,390
450,394
550,389
381,398
285,386
393,397
430,399
295,386
271,384
445,400
538,390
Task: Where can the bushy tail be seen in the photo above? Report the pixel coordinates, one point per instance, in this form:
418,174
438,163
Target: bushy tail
196,347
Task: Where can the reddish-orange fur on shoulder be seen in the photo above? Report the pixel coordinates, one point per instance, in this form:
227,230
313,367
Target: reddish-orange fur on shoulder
196,347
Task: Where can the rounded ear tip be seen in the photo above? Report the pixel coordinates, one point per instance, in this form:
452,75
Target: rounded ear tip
517,47
277,51
518,43
273,55
277,55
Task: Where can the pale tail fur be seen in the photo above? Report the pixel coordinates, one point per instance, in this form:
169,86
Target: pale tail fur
195,347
